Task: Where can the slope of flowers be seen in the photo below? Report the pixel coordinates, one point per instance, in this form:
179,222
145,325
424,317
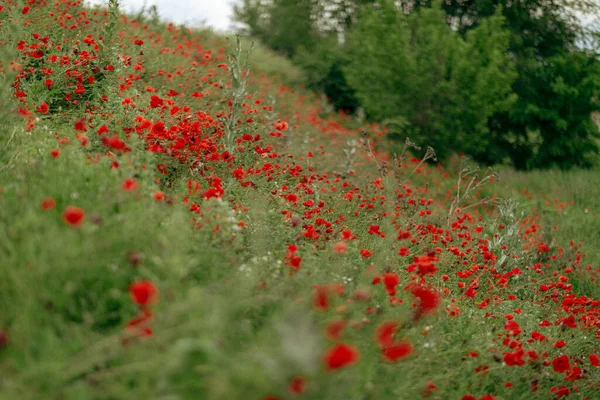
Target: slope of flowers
177,227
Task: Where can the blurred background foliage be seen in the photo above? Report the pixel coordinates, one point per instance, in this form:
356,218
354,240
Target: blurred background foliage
501,81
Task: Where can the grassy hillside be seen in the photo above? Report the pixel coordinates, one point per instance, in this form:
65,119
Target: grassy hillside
176,224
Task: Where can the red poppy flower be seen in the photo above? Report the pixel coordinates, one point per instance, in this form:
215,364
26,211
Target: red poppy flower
48,203
513,328
423,264
143,292
560,391
82,139
574,374
102,129
570,322
297,385
159,195
335,328
80,125
385,333
43,108
292,260
428,300
594,360
397,351
404,251
561,364
366,253
347,235
340,247
320,297
281,125
73,216
427,391
114,143
339,356
24,112
391,280
129,185
516,358
374,230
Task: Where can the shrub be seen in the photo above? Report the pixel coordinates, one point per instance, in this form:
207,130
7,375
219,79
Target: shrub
415,67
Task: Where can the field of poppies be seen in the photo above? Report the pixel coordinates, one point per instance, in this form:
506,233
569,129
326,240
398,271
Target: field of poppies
180,220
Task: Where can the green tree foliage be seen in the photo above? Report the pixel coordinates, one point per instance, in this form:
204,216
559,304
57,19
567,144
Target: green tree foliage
557,84
503,81
324,65
283,25
310,32
415,67
551,123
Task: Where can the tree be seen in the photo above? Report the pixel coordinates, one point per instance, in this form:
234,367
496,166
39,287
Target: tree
415,67
551,123
324,67
283,25
557,85
312,33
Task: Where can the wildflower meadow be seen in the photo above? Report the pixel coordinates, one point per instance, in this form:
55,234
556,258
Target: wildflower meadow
181,218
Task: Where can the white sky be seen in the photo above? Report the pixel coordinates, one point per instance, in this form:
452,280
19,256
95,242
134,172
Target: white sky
215,13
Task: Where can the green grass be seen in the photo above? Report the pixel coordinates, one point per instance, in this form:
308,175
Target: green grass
567,200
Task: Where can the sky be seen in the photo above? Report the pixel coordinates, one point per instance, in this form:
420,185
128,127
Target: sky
215,13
